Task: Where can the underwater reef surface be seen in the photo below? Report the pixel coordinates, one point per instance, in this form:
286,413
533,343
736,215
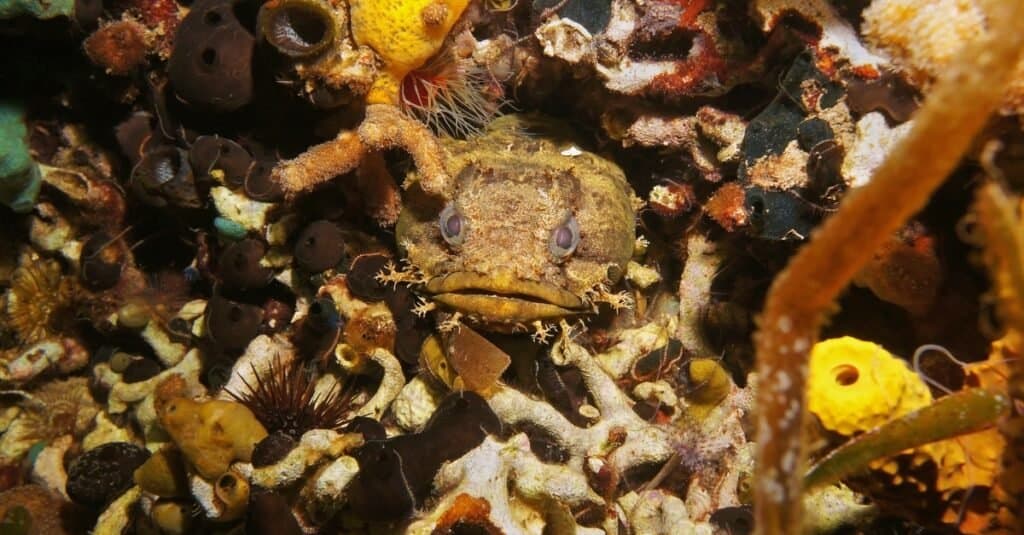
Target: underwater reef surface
542,267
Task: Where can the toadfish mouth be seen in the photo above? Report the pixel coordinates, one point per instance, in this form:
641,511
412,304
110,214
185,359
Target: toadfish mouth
503,298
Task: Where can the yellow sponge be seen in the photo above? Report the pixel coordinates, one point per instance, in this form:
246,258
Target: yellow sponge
855,386
404,33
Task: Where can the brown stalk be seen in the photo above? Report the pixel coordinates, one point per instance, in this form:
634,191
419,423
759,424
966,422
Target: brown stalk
1003,252
802,295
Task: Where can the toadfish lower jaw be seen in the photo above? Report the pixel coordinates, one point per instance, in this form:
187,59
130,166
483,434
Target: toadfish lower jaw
503,299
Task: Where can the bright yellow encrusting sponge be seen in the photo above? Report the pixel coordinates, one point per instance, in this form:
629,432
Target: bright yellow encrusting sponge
855,386
404,33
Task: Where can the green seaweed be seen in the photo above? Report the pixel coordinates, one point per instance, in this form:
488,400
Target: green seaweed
39,9
20,178
957,414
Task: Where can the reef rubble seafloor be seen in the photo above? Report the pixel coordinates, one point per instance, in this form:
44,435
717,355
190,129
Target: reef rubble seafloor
511,267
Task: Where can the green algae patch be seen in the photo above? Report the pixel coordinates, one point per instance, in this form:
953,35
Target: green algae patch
36,9
19,175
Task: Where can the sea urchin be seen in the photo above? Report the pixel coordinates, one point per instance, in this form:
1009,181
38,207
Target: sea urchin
284,399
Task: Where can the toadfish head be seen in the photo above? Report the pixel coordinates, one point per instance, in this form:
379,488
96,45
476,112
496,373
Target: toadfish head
533,226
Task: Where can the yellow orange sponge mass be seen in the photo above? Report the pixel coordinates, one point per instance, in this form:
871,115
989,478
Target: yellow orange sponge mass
855,386
404,33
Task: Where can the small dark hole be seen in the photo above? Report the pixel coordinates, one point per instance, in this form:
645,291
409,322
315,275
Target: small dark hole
213,18
795,23
846,375
309,25
179,325
235,314
209,56
315,309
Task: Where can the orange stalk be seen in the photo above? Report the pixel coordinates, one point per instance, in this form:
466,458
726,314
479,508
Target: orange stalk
954,112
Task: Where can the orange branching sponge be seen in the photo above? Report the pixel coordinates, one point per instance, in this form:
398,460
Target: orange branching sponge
954,111
320,163
385,127
1003,238
924,37
404,34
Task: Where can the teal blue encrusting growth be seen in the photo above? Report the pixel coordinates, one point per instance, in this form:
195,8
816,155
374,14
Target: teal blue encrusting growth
39,9
19,174
228,229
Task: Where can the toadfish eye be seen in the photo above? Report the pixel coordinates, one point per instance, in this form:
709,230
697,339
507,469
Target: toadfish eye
453,225
564,238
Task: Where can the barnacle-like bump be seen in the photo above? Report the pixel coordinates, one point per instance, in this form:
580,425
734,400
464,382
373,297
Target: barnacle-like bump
323,315
233,492
239,265
164,176
320,329
270,514
172,517
232,325
210,154
735,519
135,134
396,474
297,28
362,277
102,260
272,449
141,369
163,474
211,64
260,186
320,246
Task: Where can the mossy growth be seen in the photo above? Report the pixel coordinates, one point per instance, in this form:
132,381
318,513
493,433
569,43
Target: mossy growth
20,178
